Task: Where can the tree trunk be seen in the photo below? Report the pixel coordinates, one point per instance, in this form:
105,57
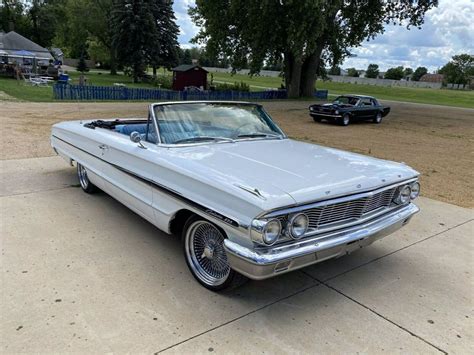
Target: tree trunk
292,75
113,61
136,72
308,73
154,71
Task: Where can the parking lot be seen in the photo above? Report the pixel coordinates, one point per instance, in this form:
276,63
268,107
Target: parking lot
82,273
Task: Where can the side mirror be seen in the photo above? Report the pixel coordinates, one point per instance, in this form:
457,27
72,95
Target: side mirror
135,137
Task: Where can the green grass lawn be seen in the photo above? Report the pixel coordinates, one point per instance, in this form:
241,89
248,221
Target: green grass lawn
21,91
25,92
103,78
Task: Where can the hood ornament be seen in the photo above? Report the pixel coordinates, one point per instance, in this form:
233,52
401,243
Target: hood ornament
253,191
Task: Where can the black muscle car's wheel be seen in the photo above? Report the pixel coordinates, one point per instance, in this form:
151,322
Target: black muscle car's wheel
378,118
345,120
206,258
317,119
86,185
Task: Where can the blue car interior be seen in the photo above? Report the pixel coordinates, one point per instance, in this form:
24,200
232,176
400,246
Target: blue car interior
172,131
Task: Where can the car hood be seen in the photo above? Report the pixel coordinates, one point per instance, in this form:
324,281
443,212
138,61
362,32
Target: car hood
305,172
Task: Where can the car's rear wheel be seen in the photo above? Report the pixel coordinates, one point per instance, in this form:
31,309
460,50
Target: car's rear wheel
378,118
345,120
203,244
86,185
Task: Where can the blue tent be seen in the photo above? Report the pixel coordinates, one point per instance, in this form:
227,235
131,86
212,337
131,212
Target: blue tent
23,53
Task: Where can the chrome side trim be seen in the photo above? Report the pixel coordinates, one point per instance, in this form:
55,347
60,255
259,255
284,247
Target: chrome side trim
264,263
206,210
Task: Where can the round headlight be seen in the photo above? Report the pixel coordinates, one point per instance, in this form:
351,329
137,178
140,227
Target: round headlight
271,231
336,112
415,190
298,225
403,195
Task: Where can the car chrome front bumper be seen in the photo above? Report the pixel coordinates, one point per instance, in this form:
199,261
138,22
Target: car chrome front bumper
259,264
323,115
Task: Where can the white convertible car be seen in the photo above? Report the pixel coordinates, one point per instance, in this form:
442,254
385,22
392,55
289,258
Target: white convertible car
247,201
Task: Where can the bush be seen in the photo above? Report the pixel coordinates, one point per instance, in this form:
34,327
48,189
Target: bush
81,65
353,72
164,82
394,73
235,86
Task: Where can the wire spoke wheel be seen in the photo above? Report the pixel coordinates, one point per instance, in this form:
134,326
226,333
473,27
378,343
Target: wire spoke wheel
86,184
82,174
204,246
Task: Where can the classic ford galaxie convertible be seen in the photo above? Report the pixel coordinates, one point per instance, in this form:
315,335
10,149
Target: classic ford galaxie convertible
348,108
247,201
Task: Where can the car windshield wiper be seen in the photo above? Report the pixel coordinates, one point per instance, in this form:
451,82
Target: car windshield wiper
202,139
259,135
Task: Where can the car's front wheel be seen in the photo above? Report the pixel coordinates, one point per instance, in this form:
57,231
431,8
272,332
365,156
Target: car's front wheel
378,118
345,120
86,185
317,119
203,244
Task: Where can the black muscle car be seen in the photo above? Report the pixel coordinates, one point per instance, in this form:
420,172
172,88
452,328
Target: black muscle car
348,108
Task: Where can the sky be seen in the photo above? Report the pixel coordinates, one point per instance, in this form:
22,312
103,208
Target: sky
448,30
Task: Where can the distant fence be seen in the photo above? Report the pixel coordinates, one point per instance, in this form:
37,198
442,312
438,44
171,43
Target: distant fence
383,82
110,93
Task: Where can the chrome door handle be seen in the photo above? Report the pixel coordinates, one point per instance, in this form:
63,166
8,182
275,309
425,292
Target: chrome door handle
103,146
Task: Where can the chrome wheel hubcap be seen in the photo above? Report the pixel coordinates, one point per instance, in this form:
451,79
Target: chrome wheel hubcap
346,120
82,173
205,253
379,117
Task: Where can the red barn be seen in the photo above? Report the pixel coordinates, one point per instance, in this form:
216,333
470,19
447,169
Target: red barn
189,75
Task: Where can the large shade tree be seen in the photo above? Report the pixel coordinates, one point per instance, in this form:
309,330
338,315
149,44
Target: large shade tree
307,33
144,33
459,70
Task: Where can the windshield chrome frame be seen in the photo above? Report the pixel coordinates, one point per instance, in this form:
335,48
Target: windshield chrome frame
171,145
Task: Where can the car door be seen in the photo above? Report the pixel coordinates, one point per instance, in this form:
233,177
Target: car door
376,108
128,172
365,108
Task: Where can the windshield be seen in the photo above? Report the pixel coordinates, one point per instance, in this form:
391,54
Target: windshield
346,100
213,122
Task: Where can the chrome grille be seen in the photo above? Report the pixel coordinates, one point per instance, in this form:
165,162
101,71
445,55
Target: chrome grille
348,210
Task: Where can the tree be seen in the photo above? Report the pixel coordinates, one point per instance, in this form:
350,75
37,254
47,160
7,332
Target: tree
99,28
144,34
82,65
34,19
418,73
372,71
459,69
187,59
308,34
353,72
335,70
394,73
407,72
166,53
12,17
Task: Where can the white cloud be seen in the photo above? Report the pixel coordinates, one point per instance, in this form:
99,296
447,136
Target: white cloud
448,30
187,29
